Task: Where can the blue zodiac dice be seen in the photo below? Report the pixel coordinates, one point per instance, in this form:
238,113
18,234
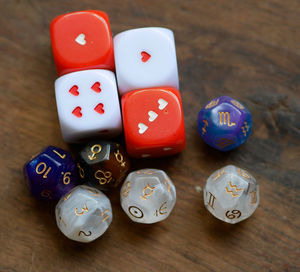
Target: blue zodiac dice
224,123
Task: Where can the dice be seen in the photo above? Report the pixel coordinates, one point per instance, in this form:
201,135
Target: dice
224,123
148,196
145,57
103,164
82,40
231,194
50,174
83,214
153,122
88,105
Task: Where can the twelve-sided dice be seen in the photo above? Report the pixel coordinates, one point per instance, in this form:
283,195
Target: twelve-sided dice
145,57
83,214
231,194
148,196
88,105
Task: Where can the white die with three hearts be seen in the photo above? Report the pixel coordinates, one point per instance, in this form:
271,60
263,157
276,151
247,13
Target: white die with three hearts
88,105
144,58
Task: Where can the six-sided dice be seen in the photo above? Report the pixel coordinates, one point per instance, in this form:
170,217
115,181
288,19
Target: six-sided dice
50,174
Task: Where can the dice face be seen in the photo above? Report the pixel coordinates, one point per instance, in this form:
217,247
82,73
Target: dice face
103,164
153,122
148,196
224,123
50,174
83,214
82,40
145,57
88,105
231,194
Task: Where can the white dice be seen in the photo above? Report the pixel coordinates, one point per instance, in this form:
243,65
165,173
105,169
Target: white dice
148,196
83,214
231,194
88,105
145,57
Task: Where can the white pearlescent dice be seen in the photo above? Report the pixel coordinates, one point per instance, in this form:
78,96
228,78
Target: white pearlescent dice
231,194
145,57
88,105
148,196
83,214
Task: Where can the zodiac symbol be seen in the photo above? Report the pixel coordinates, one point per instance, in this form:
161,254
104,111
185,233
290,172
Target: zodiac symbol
169,185
245,130
107,176
211,200
57,153
120,158
219,174
253,197
61,220
231,191
212,104
96,149
66,178
106,217
126,189
84,209
147,172
224,142
161,210
225,119
67,196
94,192
243,173
136,212
145,194
46,194
237,104
89,234
205,126
43,170
234,214
81,171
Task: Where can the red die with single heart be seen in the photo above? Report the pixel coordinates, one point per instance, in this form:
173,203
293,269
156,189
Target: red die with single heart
82,40
153,122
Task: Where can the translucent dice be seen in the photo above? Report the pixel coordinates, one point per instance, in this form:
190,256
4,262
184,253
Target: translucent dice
83,214
231,194
148,196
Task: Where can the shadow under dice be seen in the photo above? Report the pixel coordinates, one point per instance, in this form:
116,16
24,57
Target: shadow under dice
148,196
231,194
50,174
83,214
88,105
103,164
224,123
153,122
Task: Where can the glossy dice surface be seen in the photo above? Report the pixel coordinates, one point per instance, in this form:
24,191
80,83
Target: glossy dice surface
153,122
148,196
103,164
84,214
224,123
145,57
82,40
50,174
231,194
88,105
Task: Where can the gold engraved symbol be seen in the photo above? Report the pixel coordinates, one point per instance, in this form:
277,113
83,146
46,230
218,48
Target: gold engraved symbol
81,171
243,173
236,189
224,142
41,168
126,189
94,192
161,210
219,174
61,220
136,212
67,196
89,234
46,194
234,214
149,193
84,209
237,104
60,155
225,119
104,214
66,178
120,158
211,200
253,197
169,185
96,149
147,172
245,128
204,127
212,104
103,177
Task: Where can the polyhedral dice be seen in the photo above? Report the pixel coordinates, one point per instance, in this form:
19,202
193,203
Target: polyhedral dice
148,196
102,164
231,194
88,105
83,214
50,174
145,57
153,122
82,40
224,123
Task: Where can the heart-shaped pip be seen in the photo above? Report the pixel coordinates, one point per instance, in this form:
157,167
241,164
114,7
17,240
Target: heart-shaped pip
142,128
80,39
152,115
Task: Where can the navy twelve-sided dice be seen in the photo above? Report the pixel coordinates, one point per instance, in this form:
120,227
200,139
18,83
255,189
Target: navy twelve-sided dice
224,123
51,174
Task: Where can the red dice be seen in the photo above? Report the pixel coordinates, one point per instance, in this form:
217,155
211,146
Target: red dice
153,122
82,40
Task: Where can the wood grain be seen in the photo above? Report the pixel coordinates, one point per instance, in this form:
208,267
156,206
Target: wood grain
249,50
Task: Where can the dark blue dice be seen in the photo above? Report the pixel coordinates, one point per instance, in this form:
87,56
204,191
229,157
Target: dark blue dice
224,123
51,174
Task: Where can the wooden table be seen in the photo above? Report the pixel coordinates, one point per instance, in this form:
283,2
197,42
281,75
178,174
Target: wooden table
249,50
